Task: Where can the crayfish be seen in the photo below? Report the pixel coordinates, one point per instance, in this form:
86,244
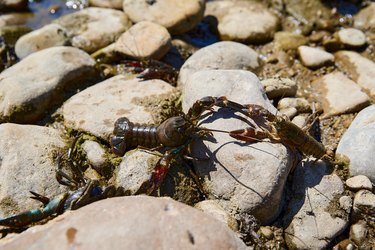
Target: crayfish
177,132
83,192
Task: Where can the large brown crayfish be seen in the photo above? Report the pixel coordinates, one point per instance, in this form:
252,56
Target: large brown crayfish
177,132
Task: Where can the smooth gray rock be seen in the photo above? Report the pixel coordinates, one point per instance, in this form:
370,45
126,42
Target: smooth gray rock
360,69
351,38
358,232
332,87
138,222
96,114
94,28
29,88
144,40
175,15
314,58
49,36
236,175
221,55
309,221
357,144
359,182
299,103
27,163
243,21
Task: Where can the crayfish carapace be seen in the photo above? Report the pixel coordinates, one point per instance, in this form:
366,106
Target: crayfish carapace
177,132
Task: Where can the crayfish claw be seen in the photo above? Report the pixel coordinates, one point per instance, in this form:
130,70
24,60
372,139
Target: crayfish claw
43,199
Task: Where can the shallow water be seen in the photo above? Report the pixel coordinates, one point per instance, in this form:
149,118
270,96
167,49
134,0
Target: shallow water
46,11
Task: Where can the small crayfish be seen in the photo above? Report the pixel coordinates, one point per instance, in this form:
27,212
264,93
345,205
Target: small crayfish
83,192
177,132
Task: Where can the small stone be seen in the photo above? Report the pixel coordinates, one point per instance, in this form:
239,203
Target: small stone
57,68
351,38
358,232
93,28
267,232
243,21
144,40
279,87
96,156
14,19
289,112
221,55
49,36
360,69
212,208
346,203
175,15
364,203
286,40
359,182
332,87
112,4
357,144
300,104
314,58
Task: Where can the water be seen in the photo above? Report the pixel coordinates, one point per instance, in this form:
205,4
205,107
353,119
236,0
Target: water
45,11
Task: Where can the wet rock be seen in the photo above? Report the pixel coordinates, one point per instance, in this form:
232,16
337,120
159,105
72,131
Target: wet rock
139,222
14,19
357,144
299,103
221,55
13,5
45,74
310,219
144,40
314,58
358,232
182,15
49,36
332,87
279,87
236,175
287,40
214,209
112,4
96,114
351,38
359,182
360,69
364,203
365,19
93,28
27,163
243,21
